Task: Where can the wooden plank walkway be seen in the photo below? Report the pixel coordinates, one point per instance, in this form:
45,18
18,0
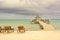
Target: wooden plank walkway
46,26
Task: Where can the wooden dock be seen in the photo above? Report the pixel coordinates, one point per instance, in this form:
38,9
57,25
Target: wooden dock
46,26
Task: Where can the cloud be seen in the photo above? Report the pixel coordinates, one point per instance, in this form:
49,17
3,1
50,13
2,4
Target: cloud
54,8
34,5
17,11
31,7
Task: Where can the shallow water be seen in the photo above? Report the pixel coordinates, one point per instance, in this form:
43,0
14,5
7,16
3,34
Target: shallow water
55,23
15,23
27,24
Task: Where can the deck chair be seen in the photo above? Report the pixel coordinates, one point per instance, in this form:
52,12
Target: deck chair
21,29
8,29
1,29
12,29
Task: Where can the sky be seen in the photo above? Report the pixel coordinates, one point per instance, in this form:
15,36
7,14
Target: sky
25,9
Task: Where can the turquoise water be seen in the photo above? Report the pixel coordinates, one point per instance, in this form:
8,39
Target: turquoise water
56,23
15,23
27,24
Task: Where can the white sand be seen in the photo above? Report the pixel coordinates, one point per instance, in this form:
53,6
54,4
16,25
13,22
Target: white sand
47,26
31,35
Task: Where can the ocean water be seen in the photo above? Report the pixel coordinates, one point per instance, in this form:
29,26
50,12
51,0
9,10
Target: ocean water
27,23
15,23
55,23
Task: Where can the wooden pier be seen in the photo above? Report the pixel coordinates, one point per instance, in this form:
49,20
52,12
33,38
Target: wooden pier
46,26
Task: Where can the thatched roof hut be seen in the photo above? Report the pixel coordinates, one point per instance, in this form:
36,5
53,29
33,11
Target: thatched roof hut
37,17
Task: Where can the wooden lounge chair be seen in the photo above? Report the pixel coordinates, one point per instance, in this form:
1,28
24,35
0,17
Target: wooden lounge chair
8,28
21,29
1,29
12,29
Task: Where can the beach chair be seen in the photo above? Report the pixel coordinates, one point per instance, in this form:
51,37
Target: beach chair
21,29
1,29
8,28
12,29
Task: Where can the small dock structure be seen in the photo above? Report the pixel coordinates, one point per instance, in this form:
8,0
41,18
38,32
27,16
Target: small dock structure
46,26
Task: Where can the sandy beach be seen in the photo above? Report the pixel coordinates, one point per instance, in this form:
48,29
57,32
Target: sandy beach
32,35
